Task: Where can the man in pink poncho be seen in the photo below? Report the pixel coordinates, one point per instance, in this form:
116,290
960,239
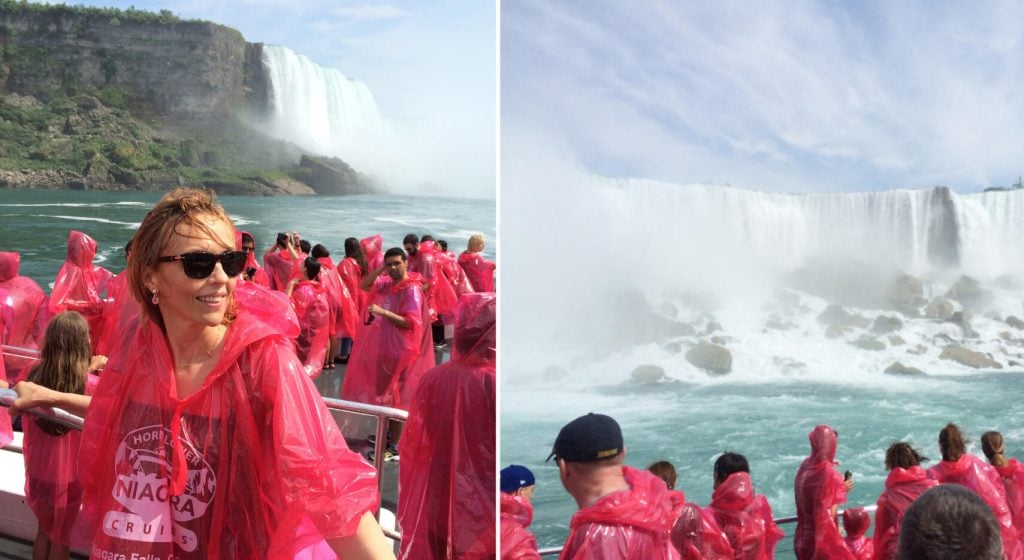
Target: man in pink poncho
394,349
819,490
26,302
446,501
517,542
80,285
624,512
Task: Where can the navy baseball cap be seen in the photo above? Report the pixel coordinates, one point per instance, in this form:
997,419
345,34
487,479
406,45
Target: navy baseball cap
589,438
514,477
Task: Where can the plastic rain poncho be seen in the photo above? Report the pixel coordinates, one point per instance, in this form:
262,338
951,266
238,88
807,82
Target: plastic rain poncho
517,542
982,479
745,517
373,249
456,276
389,361
856,522
249,466
80,285
446,500
27,303
260,276
351,275
902,487
697,536
630,524
52,488
120,311
441,296
1013,481
313,310
280,267
479,270
819,487
344,308
6,430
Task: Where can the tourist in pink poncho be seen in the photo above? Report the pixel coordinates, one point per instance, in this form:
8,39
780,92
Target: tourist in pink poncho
351,270
819,491
959,467
253,271
906,481
205,438
52,487
446,501
441,296
450,265
27,304
283,261
479,270
517,542
745,517
80,285
394,349
345,313
312,308
373,249
1011,472
6,430
856,523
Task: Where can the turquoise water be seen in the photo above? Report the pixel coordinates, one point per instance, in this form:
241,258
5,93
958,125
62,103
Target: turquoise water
35,223
690,425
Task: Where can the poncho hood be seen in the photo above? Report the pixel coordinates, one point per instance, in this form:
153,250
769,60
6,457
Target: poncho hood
9,266
735,493
648,505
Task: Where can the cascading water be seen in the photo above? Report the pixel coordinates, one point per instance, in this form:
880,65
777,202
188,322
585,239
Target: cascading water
319,108
610,277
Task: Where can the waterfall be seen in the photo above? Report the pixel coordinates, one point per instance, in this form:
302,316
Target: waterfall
318,108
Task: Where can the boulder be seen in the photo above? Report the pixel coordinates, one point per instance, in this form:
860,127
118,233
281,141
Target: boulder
647,373
720,340
834,331
711,358
969,358
884,324
898,368
939,308
905,291
968,291
836,315
328,175
711,327
1009,282
1015,322
674,347
896,340
962,319
917,349
788,366
787,298
778,324
868,343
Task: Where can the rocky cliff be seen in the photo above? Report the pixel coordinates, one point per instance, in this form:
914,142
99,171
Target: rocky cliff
126,99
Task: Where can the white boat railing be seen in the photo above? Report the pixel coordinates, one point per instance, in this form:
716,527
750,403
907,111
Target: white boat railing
380,413
556,550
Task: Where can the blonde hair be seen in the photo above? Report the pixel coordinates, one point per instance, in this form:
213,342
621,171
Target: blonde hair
178,207
63,360
475,240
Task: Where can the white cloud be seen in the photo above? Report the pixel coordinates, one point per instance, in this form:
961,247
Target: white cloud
370,12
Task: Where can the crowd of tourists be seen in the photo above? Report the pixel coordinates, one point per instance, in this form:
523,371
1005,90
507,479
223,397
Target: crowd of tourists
962,507
204,435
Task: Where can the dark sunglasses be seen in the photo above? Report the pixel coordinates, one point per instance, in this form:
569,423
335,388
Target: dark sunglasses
200,264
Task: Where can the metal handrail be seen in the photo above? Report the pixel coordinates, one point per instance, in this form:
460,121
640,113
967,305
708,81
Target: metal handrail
380,413
555,550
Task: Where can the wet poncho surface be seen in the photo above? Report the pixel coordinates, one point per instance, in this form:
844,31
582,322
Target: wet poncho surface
249,466
24,303
982,479
856,522
52,488
388,362
697,536
635,523
517,542
745,517
818,487
479,270
80,285
1013,481
312,307
902,487
446,500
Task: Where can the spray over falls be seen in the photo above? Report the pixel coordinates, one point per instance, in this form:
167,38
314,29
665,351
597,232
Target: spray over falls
705,283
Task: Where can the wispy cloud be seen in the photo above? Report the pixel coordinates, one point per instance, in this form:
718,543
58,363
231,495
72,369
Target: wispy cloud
788,95
370,12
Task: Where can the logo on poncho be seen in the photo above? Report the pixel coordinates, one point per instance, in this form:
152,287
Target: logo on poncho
143,463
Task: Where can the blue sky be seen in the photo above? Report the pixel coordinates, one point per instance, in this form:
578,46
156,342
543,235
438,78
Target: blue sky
788,96
431,63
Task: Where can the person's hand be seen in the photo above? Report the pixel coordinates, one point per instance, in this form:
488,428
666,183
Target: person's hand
30,395
375,309
848,483
97,363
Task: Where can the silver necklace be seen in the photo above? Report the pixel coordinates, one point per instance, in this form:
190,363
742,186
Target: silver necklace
205,357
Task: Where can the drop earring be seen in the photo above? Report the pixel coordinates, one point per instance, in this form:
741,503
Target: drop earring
156,298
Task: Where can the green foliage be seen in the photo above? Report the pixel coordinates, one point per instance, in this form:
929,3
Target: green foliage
112,14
